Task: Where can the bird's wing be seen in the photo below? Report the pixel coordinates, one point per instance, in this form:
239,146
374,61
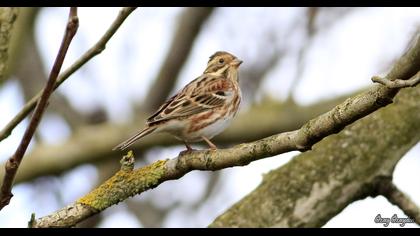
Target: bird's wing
204,93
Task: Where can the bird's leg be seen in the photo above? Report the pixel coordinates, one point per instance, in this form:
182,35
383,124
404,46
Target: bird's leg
189,149
211,145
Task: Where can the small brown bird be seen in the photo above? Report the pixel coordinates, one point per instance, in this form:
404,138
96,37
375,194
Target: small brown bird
202,109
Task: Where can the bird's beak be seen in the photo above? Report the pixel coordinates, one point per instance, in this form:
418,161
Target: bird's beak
236,62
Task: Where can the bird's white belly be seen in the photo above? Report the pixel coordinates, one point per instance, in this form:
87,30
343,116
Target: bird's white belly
180,129
213,129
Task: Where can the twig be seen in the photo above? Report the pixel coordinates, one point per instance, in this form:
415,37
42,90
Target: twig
89,54
398,83
386,188
13,163
31,222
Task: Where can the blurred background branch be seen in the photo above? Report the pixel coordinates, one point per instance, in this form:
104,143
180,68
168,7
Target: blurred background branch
92,52
390,191
190,24
31,73
310,30
8,17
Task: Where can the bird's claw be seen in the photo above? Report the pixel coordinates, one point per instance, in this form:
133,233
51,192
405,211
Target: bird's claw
188,151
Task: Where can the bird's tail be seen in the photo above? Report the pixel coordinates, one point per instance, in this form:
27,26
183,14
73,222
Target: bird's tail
128,142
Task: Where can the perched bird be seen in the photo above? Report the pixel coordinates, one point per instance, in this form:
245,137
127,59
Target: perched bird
202,109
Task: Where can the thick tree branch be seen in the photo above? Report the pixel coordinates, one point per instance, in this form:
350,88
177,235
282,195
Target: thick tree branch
317,185
188,28
126,183
93,51
8,16
341,169
386,188
13,163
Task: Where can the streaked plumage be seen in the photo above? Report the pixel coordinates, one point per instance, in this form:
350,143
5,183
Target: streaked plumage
202,109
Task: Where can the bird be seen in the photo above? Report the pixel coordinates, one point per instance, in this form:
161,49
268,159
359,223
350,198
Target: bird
202,109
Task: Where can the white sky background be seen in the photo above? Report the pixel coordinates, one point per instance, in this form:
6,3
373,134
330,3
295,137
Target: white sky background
340,59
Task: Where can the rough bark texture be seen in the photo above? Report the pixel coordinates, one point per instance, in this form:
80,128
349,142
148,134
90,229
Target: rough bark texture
8,16
64,217
317,185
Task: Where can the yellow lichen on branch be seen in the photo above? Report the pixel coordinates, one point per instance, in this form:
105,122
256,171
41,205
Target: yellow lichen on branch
124,184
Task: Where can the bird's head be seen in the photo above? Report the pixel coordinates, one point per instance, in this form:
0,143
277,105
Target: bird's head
220,61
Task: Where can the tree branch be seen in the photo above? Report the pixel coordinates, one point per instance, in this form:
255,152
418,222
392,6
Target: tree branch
398,83
341,169
127,183
93,51
386,188
13,163
317,185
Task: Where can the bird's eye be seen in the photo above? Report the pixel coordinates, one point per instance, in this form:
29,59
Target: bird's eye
221,61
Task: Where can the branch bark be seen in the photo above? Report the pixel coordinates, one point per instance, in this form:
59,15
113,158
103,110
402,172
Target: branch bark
13,163
92,52
127,182
397,83
188,28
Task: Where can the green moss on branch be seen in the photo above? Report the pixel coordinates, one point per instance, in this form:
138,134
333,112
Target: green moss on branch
123,185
